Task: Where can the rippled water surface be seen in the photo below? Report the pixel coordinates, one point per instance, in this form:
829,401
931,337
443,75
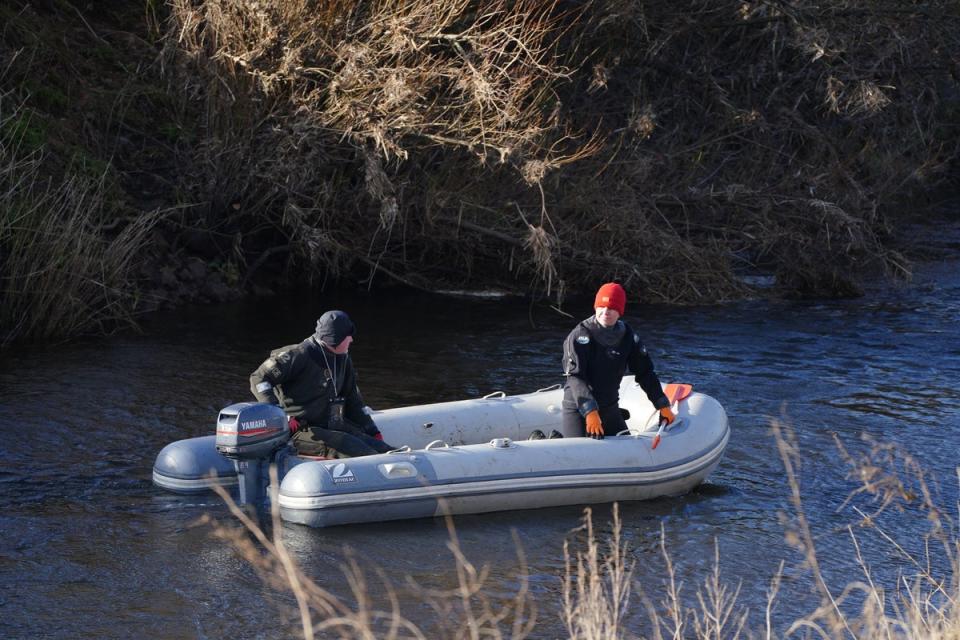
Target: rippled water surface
90,549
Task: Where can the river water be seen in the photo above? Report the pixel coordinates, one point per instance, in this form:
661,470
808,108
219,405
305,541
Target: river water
90,549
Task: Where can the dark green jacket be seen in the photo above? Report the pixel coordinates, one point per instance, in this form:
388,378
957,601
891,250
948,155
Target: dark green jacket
300,379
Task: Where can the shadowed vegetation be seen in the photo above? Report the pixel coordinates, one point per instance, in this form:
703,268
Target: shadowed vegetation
62,273
542,145
689,149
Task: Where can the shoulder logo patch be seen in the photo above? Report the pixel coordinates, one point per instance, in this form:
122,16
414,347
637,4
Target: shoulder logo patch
583,339
636,338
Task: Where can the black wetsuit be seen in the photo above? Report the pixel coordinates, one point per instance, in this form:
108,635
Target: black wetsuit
306,380
595,359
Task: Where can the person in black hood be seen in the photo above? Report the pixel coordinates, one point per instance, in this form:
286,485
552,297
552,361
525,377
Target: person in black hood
595,356
315,384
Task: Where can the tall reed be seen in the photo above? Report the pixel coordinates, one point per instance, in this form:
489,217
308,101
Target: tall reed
61,273
598,587
463,611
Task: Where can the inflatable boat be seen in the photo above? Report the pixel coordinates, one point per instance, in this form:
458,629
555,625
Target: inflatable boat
466,456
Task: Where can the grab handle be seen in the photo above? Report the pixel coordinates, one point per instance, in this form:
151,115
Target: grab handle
437,444
495,394
679,421
550,388
404,449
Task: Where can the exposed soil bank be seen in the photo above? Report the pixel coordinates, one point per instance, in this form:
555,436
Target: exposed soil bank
697,152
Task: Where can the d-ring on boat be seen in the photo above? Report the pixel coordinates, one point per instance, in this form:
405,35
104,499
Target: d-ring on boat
466,456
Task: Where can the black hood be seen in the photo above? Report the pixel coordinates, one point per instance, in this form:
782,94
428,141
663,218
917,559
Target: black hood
333,327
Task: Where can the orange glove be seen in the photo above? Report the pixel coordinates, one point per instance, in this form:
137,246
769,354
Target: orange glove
594,426
667,416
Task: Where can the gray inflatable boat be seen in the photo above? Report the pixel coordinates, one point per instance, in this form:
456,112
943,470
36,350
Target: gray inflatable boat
468,456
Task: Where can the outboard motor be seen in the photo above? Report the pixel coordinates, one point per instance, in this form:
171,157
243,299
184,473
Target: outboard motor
251,434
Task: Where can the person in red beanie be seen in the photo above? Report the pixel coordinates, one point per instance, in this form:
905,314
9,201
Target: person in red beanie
596,354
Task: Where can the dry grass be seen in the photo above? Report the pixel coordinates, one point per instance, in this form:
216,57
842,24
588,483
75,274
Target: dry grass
672,146
62,274
923,602
301,98
536,146
598,585
464,611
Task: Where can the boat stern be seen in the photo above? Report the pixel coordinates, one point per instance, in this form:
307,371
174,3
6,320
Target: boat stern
192,466
324,493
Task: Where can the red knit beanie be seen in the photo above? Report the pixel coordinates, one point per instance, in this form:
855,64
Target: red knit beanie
611,296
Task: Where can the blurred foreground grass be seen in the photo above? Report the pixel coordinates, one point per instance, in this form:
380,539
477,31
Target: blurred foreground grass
599,588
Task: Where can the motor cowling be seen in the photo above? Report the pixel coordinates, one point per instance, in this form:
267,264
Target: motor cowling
251,430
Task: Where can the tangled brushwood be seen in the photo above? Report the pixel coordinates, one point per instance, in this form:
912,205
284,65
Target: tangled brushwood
543,145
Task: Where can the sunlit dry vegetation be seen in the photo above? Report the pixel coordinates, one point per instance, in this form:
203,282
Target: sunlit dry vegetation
465,610
542,145
600,588
696,151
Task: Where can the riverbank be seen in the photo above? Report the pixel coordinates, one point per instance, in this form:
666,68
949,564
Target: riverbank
156,154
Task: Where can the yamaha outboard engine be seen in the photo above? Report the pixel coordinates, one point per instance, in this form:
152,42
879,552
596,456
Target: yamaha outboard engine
251,434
